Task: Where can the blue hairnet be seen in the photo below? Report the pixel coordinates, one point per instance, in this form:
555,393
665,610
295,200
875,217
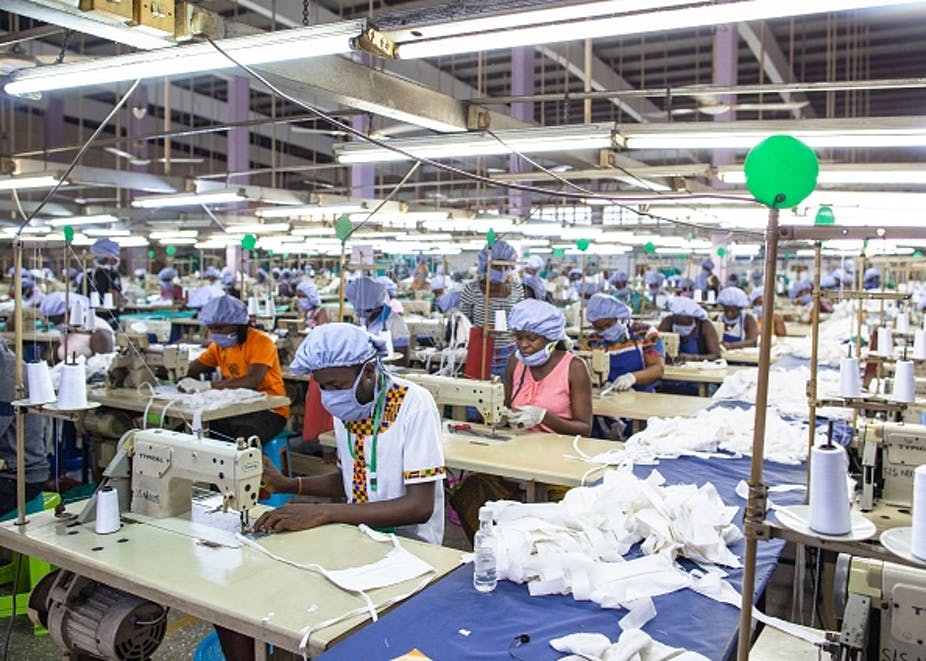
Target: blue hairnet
275,271
28,282
438,282
228,280
309,291
921,304
755,295
707,263
603,306
533,316
799,286
577,273
828,282
105,248
839,275
679,305
535,262
336,345
685,283
534,283
501,252
224,310
619,276
365,294
212,273
53,305
262,273
388,283
756,276
733,297
653,278
167,273
871,273
450,300
72,272
590,288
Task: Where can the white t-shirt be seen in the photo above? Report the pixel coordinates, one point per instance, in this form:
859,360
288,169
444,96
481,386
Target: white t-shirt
409,450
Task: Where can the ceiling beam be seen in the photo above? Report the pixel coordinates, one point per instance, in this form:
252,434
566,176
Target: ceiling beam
765,48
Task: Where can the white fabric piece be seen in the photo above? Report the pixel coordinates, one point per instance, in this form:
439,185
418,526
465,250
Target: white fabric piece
633,645
742,490
397,567
790,391
97,366
838,328
191,385
640,612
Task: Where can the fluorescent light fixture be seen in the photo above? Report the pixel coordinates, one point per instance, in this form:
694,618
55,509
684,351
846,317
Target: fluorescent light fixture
606,19
421,236
849,173
258,228
28,229
131,241
25,181
178,242
310,210
224,196
174,234
107,231
473,144
264,48
74,221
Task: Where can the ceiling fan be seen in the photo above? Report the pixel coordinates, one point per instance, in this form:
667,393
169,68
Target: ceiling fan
135,160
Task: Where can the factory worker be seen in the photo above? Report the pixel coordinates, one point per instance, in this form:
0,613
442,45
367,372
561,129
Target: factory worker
32,295
778,323
733,280
261,285
390,448
449,301
392,291
756,278
697,336
229,285
534,266
685,287
35,459
575,275
437,285
134,290
829,283
739,327
588,289
285,288
637,355
653,281
546,386
372,310
101,339
534,287
801,293
247,358
503,295
872,278
706,278
622,291
170,290
309,303
104,277
201,296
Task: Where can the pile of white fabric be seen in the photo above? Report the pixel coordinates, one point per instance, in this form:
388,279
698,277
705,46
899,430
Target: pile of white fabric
209,400
787,391
577,546
633,645
834,331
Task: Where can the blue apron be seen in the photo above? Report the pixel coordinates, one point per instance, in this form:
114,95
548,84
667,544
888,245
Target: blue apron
629,361
690,344
735,332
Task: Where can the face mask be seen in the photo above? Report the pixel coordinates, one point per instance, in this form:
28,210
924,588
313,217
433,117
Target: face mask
537,358
728,321
225,340
685,330
497,276
615,333
304,304
343,404
805,299
101,265
757,310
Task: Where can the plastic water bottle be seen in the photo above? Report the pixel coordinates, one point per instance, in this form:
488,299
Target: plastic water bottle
484,546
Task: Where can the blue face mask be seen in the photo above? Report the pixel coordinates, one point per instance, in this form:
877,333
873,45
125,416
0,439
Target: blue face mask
537,358
685,330
304,304
498,276
225,340
343,404
757,310
615,333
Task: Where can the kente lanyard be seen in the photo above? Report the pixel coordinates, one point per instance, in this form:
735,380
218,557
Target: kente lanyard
377,419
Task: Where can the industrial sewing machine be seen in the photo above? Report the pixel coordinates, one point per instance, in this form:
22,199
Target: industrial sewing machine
488,397
890,452
883,608
136,362
154,470
599,365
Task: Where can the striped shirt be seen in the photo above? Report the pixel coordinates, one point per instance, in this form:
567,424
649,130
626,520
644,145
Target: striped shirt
472,304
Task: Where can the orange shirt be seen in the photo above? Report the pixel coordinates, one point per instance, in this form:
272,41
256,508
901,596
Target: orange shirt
234,362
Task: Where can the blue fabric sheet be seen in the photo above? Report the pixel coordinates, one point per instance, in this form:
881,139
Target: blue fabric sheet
431,620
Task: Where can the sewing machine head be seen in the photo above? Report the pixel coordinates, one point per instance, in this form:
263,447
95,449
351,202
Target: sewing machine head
487,396
137,362
670,342
902,448
165,464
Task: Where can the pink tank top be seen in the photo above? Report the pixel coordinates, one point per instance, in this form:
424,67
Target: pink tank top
550,393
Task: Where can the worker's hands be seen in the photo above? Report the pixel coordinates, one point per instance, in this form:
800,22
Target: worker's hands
273,480
292,517
625,381
191,385
526,417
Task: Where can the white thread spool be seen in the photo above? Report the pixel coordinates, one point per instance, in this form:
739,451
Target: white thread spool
902,323
253,306
850,382
918,544
919,345
40,389
885,342
829,494
711,296
269,308
72,389
107,511
95,300
108,302
386,337
698,295
501,320
904,382
89,319
76,314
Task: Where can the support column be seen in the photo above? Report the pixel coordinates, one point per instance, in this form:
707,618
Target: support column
522,82
54,128
138,126
726,55
363,177
239,137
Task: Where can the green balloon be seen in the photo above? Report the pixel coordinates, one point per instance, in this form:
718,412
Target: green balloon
781,171
583,244
170,250
269,253
150,254
917,253
491,237
68,233
559,252
649,248
825,216
248,241
343,227
721,251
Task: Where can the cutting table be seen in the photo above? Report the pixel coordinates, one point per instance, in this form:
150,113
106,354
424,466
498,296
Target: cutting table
225,582
129,399
703,376
640,406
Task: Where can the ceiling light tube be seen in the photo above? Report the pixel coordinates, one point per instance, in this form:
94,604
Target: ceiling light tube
226,196
24,181
258,228
848,173
174,234
74,221
264,48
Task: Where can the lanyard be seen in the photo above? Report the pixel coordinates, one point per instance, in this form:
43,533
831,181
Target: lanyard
377,419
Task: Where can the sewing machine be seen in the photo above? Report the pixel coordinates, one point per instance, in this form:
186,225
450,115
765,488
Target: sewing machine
599,365
890,453
487,396
670,341
136,361
883,608
154,471
289,338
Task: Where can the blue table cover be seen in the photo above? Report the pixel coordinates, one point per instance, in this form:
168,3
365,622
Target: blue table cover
431,620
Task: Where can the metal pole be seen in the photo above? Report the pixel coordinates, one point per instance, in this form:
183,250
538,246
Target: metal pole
485,319
814,348
756,503
341,287
17,410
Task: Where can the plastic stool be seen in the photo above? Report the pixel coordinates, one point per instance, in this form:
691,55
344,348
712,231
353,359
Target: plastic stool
277,450
209,649
31,569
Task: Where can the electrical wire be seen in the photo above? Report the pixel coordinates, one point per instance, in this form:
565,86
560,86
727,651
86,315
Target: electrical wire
379,206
